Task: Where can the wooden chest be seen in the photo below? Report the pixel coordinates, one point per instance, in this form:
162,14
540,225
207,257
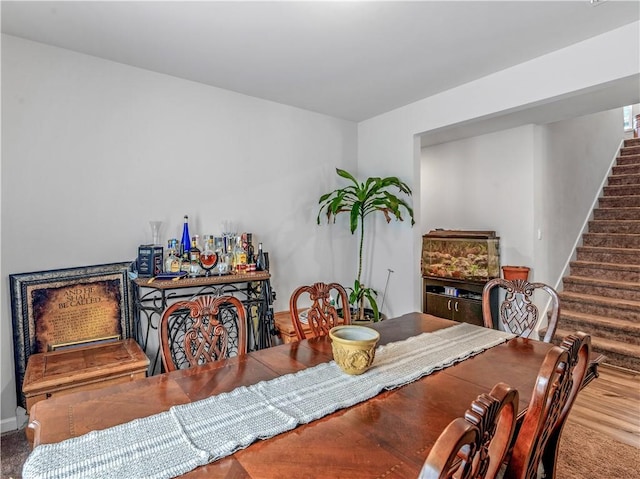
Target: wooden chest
65,371
285,327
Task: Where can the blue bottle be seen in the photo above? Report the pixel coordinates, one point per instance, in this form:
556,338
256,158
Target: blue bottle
185,244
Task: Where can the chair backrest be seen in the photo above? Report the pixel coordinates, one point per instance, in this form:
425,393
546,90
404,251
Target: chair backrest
559,380
475,446
322,315
517,313
204,329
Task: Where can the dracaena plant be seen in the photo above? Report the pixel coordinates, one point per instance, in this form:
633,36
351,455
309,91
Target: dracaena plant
360,200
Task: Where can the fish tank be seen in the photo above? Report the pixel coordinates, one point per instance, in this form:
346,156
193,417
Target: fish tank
460,254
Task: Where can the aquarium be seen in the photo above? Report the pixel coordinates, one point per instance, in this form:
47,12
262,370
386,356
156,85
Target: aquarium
468,255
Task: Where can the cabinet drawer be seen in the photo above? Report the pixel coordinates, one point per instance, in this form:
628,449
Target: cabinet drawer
468,311
450,307
439,305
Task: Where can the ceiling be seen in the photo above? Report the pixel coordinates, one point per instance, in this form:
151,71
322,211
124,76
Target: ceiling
351,60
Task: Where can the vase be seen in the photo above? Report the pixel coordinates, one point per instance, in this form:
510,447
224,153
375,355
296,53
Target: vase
155,232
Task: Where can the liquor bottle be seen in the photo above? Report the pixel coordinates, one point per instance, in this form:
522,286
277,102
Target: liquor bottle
251,257
218,245
185,244
208,257
261,264
194,257
172,264
240,256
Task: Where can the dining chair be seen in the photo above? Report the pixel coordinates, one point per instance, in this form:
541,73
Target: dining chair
559,380
518,314
200,330
474,446
322,315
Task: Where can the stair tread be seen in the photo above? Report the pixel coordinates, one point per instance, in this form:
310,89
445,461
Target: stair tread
616,221
618,208
619,347
635,208
608,235
598,299
602,281
626,197
632,250
598,264
604,320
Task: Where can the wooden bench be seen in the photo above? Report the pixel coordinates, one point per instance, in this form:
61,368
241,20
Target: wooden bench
65,371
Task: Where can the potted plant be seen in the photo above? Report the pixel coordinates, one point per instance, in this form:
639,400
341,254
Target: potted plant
360,200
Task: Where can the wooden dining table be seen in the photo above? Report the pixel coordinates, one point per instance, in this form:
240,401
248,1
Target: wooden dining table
387,436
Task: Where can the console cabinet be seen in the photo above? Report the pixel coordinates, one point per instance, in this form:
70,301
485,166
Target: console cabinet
459,300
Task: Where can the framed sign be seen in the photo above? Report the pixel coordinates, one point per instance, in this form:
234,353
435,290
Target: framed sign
68,307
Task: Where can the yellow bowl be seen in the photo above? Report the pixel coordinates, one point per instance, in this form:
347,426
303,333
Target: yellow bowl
354,347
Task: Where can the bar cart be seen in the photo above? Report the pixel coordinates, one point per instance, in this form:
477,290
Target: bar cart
152,296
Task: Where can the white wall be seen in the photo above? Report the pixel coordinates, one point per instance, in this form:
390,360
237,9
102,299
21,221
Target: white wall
92,150
574,160
483,183
522,181
387,143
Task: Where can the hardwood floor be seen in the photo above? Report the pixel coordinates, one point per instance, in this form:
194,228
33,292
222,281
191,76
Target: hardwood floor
610,405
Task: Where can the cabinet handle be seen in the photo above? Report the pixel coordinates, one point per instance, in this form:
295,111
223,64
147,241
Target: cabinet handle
456,306
449,305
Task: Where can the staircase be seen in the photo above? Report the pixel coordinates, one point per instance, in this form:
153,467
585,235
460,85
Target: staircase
601,296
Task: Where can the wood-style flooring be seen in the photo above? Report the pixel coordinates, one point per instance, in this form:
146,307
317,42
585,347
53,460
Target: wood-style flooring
610,405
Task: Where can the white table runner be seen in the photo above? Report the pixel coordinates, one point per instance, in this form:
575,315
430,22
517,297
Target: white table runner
190,435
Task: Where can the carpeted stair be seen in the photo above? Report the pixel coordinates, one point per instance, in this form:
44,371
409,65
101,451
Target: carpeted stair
601,295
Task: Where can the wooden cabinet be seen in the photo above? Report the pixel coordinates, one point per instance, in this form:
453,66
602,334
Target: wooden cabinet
458,300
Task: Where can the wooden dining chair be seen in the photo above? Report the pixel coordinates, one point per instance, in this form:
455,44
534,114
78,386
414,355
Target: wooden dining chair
518,314
474,446
204,329
559,380
322,315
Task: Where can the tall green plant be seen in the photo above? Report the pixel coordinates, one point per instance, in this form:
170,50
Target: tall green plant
360,200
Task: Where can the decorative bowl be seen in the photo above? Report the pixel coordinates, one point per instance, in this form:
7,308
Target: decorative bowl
354,347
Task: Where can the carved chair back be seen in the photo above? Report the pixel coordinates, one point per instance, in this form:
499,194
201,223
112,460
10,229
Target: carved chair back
204,329
517,313
559,380
474,446
322,315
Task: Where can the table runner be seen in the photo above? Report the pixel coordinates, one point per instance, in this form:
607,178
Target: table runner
187,436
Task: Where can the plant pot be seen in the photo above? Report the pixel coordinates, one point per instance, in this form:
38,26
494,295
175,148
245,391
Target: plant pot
515,272
368,315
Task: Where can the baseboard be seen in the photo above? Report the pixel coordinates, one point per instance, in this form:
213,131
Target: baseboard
16,422
9,424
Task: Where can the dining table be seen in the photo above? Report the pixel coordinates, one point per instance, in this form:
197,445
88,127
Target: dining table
386,436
